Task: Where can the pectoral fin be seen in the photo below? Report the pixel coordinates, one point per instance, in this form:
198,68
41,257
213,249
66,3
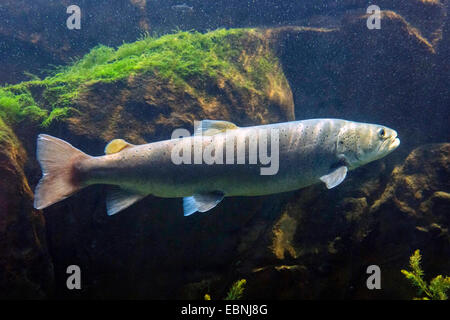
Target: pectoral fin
201,202
335,178
118,199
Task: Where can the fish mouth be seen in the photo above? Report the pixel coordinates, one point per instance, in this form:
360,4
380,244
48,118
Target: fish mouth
389,144
395,142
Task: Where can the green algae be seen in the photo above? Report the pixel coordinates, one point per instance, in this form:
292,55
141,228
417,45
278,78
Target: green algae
56,114
178,57
16,105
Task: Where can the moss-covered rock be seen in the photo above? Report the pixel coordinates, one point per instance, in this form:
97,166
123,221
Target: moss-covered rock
157,84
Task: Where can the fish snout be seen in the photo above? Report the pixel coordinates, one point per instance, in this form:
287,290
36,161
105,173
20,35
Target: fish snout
394,141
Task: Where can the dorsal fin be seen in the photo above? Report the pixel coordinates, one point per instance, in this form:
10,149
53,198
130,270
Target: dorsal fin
212,127
117,145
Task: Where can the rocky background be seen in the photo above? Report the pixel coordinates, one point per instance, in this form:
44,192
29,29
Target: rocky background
309,244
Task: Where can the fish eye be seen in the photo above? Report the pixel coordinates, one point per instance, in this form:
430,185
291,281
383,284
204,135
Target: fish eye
381,133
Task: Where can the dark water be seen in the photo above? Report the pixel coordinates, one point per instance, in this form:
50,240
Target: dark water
111,69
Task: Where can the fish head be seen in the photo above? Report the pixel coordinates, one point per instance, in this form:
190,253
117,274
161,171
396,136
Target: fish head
361,143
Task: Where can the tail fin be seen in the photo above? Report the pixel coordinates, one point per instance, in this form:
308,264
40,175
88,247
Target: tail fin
59,181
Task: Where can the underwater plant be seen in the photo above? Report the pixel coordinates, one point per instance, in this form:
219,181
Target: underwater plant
435,290
237,290
235,293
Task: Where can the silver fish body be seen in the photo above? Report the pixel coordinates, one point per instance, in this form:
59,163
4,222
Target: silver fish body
306,153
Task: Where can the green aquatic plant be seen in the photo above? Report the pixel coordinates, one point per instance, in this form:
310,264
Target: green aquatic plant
17,104
435,290
235,293
56,114
175,56
35,114
237,290
10,106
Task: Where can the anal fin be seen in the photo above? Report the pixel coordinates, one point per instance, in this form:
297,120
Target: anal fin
201,202
118,199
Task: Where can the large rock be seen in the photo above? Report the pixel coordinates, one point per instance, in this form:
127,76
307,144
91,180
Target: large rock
26,270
